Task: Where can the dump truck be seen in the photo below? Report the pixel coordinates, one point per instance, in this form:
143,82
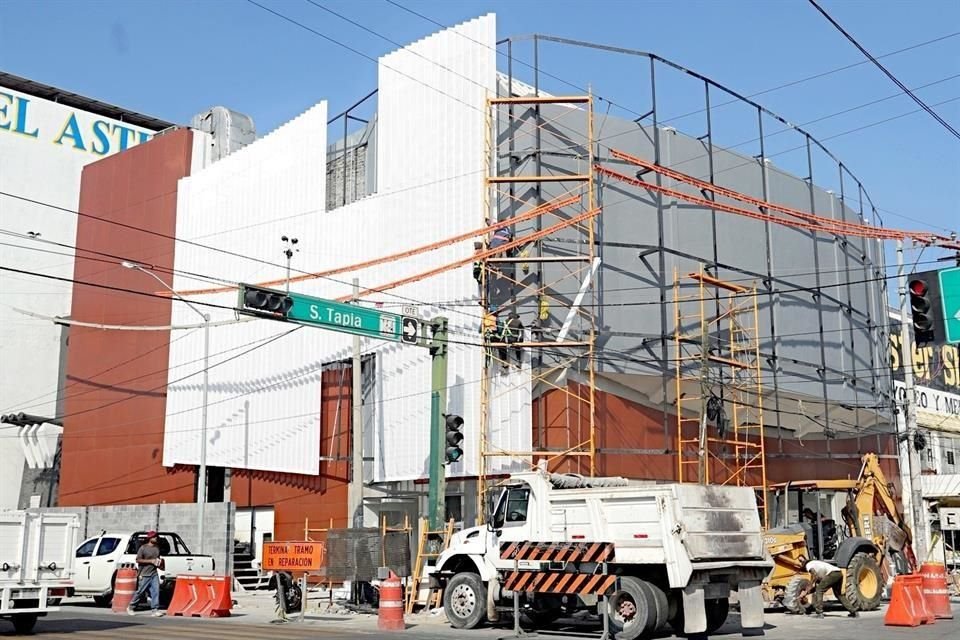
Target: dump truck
36,564
661,554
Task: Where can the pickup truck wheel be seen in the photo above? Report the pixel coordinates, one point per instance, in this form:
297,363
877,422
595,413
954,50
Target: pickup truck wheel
103,601
465,600
632,609
24,623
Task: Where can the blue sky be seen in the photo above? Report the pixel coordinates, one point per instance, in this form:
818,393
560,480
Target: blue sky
174,58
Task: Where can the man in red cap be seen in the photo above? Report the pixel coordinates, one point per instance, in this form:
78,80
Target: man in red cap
148,576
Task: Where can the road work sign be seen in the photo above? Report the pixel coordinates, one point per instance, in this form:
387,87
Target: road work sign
293,556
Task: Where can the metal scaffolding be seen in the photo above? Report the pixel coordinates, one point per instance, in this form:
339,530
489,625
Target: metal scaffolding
541,174
718,384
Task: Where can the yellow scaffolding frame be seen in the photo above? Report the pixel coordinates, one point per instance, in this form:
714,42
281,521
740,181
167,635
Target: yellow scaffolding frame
718,380
580,450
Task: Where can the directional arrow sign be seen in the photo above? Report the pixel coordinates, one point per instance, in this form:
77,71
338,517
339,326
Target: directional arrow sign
950,303
410,330
346,318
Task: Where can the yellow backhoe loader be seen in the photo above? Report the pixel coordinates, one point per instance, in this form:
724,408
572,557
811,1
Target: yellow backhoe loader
853,524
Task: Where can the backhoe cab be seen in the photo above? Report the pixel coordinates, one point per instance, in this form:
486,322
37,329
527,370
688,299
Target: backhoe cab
853,524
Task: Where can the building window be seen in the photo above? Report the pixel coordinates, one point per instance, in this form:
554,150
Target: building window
950,459
454,508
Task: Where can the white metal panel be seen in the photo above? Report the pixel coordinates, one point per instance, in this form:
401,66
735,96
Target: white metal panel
431,170
264,390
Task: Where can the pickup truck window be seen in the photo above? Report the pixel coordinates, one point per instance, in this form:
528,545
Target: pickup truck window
107,546
86,549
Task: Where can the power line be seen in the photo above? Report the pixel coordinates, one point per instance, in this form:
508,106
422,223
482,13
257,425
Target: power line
679,117
886,72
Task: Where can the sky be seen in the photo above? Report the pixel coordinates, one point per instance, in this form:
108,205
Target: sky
174,58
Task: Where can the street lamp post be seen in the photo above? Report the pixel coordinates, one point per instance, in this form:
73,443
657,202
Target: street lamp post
202,479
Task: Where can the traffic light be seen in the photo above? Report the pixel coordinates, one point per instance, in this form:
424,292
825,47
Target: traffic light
454,436
921,309
276,302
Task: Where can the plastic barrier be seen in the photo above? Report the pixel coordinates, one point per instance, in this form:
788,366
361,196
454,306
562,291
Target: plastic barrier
907,605
201,597
390,617
124,586
935,592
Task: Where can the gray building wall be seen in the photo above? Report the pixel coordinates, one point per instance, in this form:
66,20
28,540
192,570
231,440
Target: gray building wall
825,343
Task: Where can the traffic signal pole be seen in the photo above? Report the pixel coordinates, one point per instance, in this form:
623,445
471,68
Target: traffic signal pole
913,493
438,401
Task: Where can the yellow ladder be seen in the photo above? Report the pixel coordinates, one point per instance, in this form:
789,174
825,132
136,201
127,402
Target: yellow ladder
423,555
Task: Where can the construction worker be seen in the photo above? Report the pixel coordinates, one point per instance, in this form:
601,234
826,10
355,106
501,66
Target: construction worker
478,265
823,576
513,334
500,238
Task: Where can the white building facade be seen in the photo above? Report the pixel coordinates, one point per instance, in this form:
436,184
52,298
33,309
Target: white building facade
47,136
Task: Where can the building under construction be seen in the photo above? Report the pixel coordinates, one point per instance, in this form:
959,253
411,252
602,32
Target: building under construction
629,292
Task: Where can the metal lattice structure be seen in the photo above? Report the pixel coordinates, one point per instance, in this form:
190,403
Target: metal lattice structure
552,269
718,384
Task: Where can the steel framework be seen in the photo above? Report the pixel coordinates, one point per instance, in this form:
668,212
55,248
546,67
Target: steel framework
718,384
535,276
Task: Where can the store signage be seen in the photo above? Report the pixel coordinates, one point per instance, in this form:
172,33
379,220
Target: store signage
936,366
293,556
72,128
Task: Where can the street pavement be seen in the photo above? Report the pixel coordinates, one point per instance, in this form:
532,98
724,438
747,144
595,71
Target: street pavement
86,622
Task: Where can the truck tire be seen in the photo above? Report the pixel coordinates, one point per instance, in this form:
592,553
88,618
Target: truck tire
633,609
661,605
465,600
23,623
864,585
716,609
791,595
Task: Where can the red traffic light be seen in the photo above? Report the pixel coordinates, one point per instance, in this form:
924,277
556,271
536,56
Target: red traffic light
918,287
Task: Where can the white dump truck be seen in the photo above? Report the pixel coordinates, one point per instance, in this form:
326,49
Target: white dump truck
661,553
36,564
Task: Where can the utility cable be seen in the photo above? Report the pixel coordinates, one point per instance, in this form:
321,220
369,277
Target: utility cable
886,72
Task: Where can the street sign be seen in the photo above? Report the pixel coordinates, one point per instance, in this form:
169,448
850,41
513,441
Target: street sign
293,556
410,310
346,318
950,303
410,330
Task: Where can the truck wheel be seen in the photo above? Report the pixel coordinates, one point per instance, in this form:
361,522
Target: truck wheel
103,601
465,600
864,584
791,595
23,623
660,609
632,609
716,610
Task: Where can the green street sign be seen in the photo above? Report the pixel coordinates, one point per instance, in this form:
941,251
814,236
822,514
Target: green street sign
346,318
328,314
950,303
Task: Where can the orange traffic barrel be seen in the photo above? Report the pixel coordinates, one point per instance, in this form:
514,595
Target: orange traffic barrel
390,617
124,586
935,589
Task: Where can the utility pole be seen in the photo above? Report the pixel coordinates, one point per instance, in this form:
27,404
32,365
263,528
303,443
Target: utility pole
438,402
356,478
918,519
202,471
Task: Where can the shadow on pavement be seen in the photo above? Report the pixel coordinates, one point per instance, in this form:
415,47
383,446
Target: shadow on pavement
57,626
